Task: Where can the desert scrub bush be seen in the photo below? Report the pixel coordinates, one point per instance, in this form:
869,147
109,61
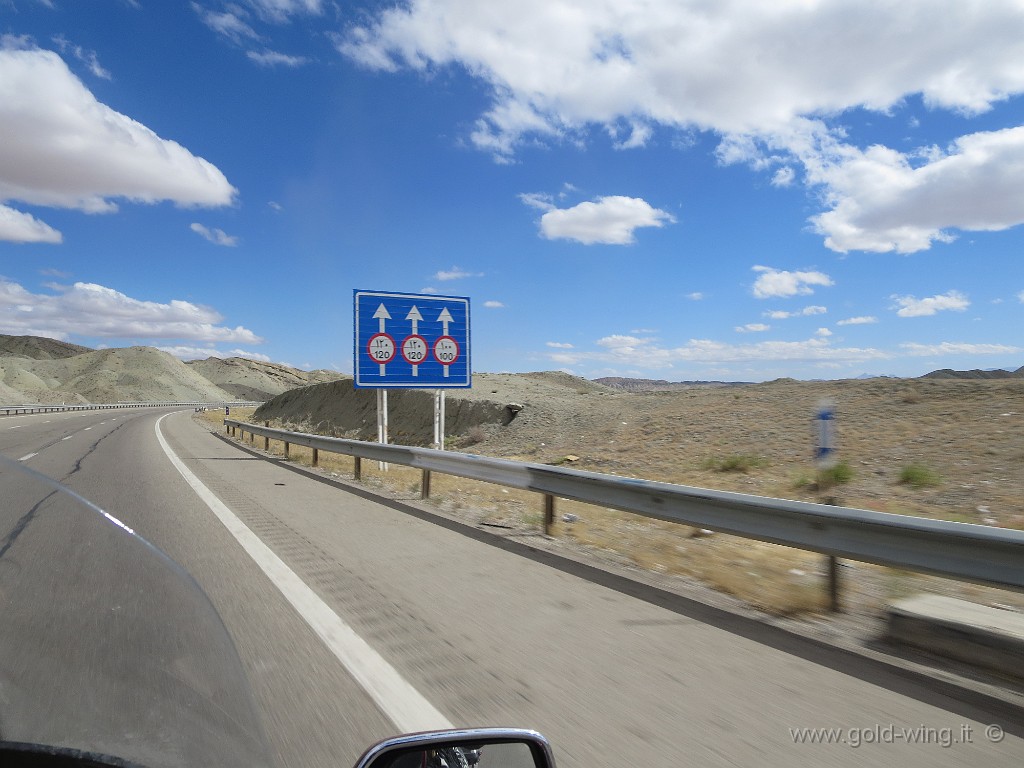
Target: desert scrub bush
839,473
911,397
735,463
919,476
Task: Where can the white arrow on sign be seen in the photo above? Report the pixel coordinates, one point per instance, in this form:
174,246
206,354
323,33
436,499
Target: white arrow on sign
415,316
444,318
382,315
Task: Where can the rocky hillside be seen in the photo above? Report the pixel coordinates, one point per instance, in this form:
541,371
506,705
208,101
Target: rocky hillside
256,380
40,370
38,348
140,374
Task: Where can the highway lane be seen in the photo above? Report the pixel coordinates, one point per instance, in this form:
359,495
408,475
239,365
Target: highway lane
493,635
313,713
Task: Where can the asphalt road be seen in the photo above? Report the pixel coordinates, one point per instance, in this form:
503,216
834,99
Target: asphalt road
480,632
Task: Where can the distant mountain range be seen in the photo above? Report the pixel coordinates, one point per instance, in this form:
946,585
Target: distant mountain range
993,373
660,385
34,369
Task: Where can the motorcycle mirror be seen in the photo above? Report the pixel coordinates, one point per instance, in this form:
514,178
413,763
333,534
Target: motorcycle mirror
470,748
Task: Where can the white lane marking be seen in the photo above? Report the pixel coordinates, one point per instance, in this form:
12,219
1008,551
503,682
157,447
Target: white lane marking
66,438
27,456
87,429
18,426
407,708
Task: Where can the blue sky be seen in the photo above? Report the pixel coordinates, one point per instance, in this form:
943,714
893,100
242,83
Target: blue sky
666,189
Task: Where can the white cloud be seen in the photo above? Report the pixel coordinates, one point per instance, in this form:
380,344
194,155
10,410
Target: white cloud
775,283
62,148
19,227
90,310
784,177
279,11
882,201
641,355
695,296
955,348
646,354
455,273
215,236
275,59
780,314
752,328
230,23
735,67
912,307
767,77
1020,297
88,58
539,200
494,305
559,345
608,220
823,332
861,320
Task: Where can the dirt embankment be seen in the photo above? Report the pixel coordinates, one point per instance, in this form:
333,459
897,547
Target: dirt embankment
338,409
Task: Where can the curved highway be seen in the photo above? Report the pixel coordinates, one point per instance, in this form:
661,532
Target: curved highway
357,618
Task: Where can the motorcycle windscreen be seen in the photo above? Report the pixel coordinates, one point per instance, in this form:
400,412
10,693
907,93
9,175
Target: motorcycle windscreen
106,645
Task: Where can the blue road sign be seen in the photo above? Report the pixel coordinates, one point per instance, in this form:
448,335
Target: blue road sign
411,340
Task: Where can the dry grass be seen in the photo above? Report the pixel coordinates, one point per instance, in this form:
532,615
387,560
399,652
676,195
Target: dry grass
758,440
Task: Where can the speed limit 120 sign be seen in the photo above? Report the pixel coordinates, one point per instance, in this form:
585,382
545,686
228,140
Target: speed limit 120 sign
411,340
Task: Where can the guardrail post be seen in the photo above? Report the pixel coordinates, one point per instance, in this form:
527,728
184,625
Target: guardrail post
266,439
316,457
833,585
549,513
425,484
358,468
287,447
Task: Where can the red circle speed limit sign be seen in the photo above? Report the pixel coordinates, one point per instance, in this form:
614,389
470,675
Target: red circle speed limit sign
446,350
414,349
381,348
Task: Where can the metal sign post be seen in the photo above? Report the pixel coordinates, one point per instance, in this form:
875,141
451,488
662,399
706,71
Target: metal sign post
439,419
382,422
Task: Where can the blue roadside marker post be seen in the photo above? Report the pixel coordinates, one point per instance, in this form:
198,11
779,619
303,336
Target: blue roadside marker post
411,341
825,458
824,454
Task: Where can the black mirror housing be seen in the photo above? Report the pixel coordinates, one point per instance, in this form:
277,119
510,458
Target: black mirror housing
465,748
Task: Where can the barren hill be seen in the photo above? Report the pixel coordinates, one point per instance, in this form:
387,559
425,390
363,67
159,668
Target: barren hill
38,347
140,374
998,373
256,380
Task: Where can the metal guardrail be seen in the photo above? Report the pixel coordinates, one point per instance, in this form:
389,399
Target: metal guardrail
52,408
975,553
